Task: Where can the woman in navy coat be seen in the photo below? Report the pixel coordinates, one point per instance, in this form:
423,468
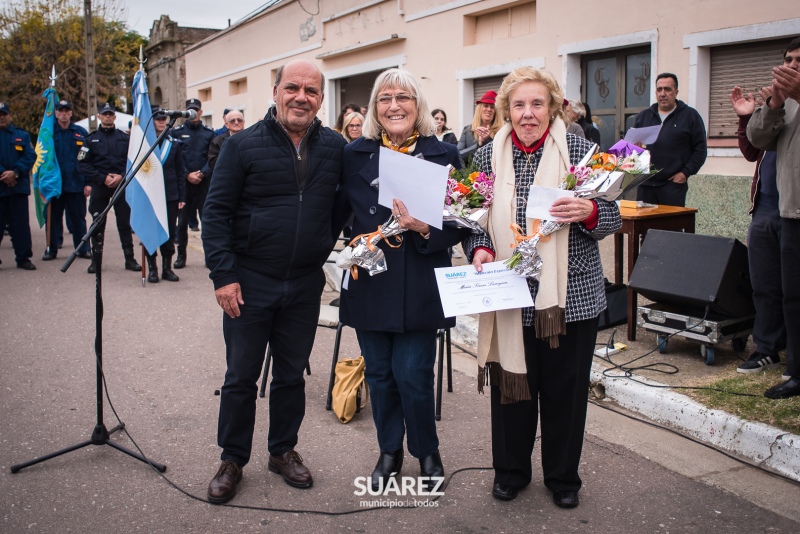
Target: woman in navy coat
396,313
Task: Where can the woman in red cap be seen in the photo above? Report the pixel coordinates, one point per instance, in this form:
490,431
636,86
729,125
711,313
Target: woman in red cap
485,123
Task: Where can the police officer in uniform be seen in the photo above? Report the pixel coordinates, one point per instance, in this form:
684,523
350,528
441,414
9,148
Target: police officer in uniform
68,139
175,193
196,139
16,161
102,160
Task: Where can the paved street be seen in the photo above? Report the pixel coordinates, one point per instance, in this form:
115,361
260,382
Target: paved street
164,358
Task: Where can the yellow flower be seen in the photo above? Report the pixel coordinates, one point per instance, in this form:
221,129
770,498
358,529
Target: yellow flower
474,176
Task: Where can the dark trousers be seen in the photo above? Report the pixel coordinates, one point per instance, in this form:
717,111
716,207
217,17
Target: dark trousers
764,252
283,313
559,380
14,213
168,247
790,259
122,211
74,205
669,194
399,372
195,198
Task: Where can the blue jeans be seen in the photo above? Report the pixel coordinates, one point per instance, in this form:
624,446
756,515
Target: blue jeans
399,372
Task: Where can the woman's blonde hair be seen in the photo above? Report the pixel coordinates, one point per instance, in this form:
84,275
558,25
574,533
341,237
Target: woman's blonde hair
497,122
347,120
397,79
528,74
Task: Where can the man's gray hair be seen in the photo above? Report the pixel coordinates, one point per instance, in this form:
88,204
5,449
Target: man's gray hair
397,79
279,74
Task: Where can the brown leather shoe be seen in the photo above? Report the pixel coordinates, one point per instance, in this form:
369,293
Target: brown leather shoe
290,466
223,486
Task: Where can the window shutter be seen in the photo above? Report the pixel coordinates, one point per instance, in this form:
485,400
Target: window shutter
747,65
481,85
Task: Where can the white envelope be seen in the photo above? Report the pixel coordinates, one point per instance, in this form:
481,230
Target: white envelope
420,184
541,198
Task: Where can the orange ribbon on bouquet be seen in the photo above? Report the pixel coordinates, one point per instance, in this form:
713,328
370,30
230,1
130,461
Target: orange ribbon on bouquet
371,247
519,236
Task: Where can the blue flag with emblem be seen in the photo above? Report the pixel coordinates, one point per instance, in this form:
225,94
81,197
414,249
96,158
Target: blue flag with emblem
145,193
46,173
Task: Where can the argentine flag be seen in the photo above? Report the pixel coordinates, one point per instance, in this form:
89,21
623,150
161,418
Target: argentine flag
145,193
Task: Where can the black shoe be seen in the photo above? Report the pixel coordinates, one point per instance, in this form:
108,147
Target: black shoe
48,256
166,270
566,499
389,465
92,268
759,362
132,265
86,255
334,302
503,492
431,467
27,265
180,261
790,388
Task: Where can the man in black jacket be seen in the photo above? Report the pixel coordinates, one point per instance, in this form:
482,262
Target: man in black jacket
680,149
195,139
103,160
267,231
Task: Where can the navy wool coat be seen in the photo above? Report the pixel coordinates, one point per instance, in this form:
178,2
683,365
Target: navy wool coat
405,296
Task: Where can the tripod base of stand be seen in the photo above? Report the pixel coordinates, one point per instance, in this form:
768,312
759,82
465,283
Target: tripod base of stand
100,436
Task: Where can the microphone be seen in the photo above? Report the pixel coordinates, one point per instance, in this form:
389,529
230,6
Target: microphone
180,114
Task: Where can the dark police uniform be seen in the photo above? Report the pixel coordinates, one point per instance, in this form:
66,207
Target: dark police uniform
196,139
68,143
106,152
16,154
174,192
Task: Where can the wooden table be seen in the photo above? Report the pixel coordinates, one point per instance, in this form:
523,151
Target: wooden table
635,223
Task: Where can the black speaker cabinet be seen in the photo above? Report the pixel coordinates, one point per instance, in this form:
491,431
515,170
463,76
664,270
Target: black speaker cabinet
694,271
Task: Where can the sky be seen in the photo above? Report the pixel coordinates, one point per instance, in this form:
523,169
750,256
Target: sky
194,13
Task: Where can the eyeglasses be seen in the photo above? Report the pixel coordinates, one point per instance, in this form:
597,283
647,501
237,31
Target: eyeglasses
235,121
401,98
354,126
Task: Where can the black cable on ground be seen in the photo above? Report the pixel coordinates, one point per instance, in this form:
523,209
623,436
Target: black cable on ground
657,367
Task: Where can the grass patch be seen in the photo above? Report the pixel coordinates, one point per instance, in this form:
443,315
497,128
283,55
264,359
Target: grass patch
783,414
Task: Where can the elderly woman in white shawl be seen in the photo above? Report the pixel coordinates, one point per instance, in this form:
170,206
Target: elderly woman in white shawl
537,360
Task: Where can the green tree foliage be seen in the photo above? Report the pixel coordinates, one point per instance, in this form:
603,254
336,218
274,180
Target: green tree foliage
37,34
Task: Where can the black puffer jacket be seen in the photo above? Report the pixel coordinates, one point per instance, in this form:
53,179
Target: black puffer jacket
269,206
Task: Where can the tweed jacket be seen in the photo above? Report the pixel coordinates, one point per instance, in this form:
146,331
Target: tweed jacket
586,296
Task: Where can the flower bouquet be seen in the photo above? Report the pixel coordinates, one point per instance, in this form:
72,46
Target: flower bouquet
607,175
599,175
363,250
469,195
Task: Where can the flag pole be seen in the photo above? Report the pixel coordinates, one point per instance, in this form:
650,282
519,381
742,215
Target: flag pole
47,251
142,61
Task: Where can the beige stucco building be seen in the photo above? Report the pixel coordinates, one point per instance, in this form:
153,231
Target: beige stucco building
607,56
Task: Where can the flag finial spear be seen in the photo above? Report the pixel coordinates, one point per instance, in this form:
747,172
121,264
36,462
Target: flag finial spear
53,77
142,60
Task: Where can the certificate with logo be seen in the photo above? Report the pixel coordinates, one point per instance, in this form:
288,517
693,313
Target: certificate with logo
465,291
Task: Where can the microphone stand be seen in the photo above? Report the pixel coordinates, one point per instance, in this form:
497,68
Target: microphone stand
101,435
